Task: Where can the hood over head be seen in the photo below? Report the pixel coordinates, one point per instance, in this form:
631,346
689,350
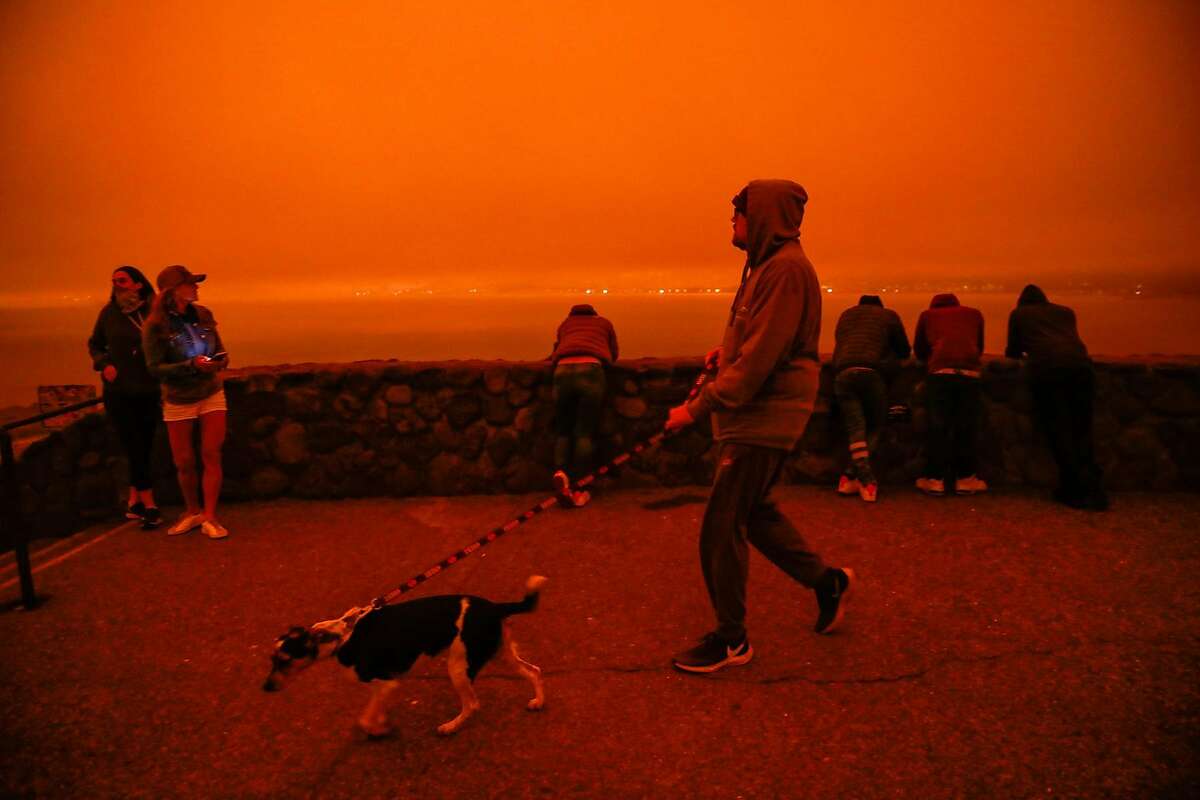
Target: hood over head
583,309
774,210
1030,295
943,300
870,300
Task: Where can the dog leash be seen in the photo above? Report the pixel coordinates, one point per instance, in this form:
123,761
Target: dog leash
353,615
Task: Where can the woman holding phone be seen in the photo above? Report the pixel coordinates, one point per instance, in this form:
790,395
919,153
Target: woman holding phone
184,351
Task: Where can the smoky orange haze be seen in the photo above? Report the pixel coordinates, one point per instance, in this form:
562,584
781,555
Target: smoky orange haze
527,145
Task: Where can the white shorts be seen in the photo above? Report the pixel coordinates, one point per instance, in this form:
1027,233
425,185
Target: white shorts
178,412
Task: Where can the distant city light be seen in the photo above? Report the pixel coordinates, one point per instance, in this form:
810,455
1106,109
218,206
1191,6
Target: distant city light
604,291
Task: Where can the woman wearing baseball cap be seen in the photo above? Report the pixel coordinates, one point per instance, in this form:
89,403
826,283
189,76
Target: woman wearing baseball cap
184,351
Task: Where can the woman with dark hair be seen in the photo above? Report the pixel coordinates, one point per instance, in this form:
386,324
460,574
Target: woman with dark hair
131,394
185,352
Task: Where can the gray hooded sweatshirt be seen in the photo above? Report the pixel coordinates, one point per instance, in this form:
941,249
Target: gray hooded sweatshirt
766,387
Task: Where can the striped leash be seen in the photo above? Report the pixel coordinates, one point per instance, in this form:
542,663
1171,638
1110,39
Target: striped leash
353,615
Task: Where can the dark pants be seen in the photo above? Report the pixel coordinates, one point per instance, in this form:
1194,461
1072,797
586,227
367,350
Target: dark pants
954,403
862,403
740,512
578,398
1062,407
136,418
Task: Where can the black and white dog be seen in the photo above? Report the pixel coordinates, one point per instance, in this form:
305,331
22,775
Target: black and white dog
382,644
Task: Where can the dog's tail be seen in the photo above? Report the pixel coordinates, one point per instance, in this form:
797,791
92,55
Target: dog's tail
533,587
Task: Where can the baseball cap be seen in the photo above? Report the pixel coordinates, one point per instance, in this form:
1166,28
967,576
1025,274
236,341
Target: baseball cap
177,275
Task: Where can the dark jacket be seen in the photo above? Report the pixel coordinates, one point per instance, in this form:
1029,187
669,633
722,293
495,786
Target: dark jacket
584,333
766,386
169,354
949,336
1046,332
117,340
867,334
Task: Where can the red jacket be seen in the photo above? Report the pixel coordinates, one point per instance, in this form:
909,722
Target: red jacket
949,336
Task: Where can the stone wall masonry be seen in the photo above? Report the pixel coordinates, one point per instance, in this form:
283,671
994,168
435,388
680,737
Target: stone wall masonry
464,427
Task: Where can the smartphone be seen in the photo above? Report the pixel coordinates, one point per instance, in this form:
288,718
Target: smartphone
216,356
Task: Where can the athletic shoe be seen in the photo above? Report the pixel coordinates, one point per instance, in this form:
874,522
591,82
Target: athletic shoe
869,491
562,486
135,510
713,653
151,519
933,486
969,485
188,522
831,599
213,529
847,485
580,499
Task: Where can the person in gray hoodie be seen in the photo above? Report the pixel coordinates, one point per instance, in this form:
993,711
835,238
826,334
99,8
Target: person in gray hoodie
866,336
760,400
1062,381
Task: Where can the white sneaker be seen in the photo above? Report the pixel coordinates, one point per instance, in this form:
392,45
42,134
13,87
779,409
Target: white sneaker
580,499
213,529
970,485
188,522
847,485
933,486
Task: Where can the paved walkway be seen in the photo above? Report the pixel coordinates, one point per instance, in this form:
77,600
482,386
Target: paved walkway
999,647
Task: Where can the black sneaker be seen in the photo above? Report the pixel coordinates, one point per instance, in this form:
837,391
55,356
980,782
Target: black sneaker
712,654
135,510
831,599
151,519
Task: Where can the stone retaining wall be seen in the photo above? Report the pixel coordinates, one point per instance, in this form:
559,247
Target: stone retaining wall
398,428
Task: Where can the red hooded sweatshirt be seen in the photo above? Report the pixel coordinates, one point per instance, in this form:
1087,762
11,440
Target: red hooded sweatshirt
949,336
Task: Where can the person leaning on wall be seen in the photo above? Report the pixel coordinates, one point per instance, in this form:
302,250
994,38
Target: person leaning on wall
184,350
949,339
586,342
131,394
867,335
1062,381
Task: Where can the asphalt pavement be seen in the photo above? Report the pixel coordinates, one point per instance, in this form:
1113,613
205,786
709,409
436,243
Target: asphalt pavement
997,646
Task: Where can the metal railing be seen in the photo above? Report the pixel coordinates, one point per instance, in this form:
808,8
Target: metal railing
12,526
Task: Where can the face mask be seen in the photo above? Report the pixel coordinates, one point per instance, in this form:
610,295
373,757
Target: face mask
128,300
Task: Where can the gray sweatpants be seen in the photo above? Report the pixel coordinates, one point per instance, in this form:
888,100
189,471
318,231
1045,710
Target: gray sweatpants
739,511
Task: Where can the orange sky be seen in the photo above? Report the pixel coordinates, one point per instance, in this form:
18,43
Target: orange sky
548,144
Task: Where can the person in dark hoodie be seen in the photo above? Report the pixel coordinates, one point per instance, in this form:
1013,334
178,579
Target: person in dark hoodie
131,393
866,336
760,401
1062,381
586,342
949,339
